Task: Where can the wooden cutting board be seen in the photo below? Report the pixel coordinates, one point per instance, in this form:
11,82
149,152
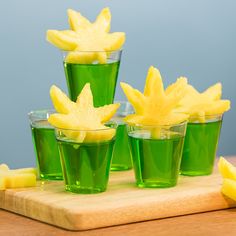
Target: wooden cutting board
122,203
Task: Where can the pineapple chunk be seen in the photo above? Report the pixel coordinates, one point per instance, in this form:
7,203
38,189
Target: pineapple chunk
18,178
229,188
4,167
85,36
83,122
155,106
2,183
25,171
227,170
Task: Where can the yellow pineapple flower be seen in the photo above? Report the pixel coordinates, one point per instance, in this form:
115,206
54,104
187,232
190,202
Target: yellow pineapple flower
89,42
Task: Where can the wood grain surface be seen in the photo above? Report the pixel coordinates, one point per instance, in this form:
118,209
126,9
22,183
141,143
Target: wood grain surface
214,223
122,203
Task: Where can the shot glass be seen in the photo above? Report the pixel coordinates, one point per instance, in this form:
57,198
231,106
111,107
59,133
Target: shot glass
121,159
200,146
45,145
156,153
101,76
85,160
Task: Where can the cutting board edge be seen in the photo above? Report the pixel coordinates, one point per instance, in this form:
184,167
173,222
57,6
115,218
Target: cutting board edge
87,218
84,221
10,203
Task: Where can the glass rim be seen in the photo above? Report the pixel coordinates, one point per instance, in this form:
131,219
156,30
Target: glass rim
89,130
196,117
156,126
33,113
92,51
213,115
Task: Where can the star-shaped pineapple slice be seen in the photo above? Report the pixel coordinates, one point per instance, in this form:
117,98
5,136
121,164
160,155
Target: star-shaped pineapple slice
84,122
202,105
90,42
154,106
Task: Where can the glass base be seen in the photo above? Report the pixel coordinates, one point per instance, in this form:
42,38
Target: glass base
155,184
51,177
120,167
83,190
195,173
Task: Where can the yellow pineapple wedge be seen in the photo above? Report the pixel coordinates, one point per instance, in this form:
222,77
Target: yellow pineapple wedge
61,102
154,106
226,169
107,112
200,106
4,167
25,171
85,37
2,183
228,172
214,92
18,178
229,188
79,119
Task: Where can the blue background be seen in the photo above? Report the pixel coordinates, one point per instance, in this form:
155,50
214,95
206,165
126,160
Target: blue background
191,38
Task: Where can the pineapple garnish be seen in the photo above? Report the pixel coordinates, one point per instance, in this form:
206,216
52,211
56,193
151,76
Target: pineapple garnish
81,116
154,106
4,167
228,172
202,105
85,37
18,178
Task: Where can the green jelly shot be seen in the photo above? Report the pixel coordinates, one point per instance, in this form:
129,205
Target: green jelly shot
102,78
85,165
121,159
200,147
121,156
45,147
157,161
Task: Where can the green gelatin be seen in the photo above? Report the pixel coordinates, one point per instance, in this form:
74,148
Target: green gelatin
156,161
200,148
121,155
46,150
86,165
102,78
